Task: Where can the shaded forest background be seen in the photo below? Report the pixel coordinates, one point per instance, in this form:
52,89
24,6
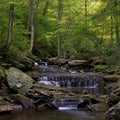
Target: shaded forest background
65,28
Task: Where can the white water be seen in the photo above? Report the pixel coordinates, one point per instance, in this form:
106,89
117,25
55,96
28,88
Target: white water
75,82
67,108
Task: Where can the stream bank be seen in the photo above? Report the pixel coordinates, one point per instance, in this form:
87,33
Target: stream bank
25,93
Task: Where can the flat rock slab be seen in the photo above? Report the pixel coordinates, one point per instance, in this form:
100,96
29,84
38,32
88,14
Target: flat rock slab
9,108
77,62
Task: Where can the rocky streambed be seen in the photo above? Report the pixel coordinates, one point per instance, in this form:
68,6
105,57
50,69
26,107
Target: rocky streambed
20,91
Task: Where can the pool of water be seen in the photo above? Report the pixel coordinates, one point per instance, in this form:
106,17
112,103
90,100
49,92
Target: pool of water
53,115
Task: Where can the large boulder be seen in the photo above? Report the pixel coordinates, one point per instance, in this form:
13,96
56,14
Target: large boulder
23,62
18,80
20,61
114,113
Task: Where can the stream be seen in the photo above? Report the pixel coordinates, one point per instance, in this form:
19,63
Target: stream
53,115
67,107
76,83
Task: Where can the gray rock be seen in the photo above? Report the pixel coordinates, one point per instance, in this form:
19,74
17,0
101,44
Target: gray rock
18,80
80,64
114,113
111,78
9,108
23,100
7,105
99,107
113,99
77,62
57,61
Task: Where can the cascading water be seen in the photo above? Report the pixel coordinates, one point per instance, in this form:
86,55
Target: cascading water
89,81
67,104
73,81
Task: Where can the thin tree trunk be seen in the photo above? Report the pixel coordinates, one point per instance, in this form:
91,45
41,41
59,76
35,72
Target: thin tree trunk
111,28
59,26
86,11
32,25
117,24
45,8
117,33
29,17
10,26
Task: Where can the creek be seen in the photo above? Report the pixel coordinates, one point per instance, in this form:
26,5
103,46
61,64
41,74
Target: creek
67,106
52,115
74,82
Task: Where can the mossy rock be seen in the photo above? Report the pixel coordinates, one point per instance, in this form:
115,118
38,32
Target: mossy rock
18,80
113,99
57,61
2,73
21,61
100,68
113,113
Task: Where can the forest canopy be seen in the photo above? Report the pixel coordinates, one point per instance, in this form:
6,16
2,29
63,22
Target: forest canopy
61,28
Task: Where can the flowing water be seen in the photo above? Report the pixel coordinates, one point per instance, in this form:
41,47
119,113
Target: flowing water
71,80
67,107
75,82
53,115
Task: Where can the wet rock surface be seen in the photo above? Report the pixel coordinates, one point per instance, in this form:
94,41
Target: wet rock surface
78,63
86,102
22,100
114,112
57,61
7,105
31,95
98,107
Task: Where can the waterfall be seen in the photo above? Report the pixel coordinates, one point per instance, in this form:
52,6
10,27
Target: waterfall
73,81
66,104
85,80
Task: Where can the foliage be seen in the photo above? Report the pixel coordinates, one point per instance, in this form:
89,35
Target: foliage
112,56
87,28
100,68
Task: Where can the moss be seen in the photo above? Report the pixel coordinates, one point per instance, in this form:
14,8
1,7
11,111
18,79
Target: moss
100,68
113,99
2,73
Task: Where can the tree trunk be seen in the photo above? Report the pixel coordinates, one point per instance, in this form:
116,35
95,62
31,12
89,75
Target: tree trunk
111,29
45,8
86,11
59,26
32,25
10,26
29,17
117,33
